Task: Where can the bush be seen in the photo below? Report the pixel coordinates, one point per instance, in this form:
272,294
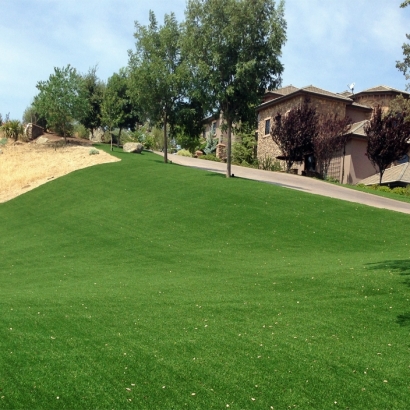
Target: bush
149,142
384,189
210,157
268,163
13,129
184,153
81,132
401,191
3,141
93,151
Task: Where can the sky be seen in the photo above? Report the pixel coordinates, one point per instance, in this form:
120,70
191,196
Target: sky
330,43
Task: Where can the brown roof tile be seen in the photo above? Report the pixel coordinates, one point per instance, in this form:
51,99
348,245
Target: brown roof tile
382,88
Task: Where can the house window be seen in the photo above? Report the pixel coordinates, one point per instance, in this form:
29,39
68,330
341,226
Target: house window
267,126
213,128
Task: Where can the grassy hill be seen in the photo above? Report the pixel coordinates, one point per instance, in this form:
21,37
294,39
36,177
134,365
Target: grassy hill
148,285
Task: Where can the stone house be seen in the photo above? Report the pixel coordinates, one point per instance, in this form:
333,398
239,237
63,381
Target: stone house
213,127
349,166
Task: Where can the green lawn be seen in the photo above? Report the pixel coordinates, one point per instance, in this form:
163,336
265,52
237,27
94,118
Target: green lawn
145,285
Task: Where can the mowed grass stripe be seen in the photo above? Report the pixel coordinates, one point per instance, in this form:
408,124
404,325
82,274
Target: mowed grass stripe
137,284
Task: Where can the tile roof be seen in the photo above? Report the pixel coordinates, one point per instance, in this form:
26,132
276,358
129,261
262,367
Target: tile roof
399,173
321,91
289,89
357,128
382,88
346,94
355,104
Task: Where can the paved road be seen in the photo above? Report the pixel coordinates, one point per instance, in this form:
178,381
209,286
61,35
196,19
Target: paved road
309,185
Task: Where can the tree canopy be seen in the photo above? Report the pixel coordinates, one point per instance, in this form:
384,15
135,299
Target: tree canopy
233,48
61,99
388,138
294,132
158,73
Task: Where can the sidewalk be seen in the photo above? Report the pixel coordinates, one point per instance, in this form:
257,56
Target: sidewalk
305,184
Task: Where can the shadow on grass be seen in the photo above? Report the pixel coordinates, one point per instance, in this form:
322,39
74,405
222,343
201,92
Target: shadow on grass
402,267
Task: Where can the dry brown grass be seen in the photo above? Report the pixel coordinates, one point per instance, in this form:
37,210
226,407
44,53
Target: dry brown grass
25,166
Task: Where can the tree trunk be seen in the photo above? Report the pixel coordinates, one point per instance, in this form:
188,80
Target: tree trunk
381,175
165,139
110,137
228,150
119,138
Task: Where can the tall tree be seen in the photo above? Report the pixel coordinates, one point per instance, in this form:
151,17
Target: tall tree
388,138
93,89
158,72
233,48
404,65
294,133
61,99
330,138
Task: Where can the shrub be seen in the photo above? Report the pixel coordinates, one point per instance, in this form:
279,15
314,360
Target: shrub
184,153
80,131
362,186
384,189
401,191
13,129
93,151
3,141
149,142
268,163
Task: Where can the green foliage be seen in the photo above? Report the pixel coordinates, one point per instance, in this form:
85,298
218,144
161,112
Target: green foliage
31,115
210,146
243,152
234,48
80,131
61,99
93,151
401,191
3,141
158,72
184,153
93,91
13,129
117,110
267,163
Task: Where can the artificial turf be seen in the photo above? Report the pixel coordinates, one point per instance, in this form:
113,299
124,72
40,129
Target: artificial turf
146,285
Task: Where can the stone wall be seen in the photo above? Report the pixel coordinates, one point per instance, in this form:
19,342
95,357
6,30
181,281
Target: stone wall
266,146
373,100
33,131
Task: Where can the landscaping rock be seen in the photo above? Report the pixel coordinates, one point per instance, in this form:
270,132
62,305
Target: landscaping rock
98,135
133,147
41,140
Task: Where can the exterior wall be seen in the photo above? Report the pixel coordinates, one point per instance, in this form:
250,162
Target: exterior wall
373,100
357,165
357,115
266,146
221,135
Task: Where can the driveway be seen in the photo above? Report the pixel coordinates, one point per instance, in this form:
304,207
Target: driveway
309,185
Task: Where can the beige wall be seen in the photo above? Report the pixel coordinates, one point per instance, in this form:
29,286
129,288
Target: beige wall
373,100
357,115
266,146
221,135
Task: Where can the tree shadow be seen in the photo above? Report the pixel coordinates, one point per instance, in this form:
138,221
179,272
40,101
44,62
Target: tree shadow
402,267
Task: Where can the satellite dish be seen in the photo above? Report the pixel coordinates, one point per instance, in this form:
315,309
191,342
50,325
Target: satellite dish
351,87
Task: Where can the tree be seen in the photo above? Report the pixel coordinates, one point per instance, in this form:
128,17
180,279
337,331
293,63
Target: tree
233,47
61,99
295,132
404,65
330,138
158,71
187,124
93,90
31,115
388,138
118,110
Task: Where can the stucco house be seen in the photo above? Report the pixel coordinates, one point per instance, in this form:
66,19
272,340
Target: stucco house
349,166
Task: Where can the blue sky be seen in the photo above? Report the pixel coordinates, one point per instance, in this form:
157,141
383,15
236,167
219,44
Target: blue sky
330,44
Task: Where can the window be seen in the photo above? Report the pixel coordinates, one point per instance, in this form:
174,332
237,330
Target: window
267,126
213,128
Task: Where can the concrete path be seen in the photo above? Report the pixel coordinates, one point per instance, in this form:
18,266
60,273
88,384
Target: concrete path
309,185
